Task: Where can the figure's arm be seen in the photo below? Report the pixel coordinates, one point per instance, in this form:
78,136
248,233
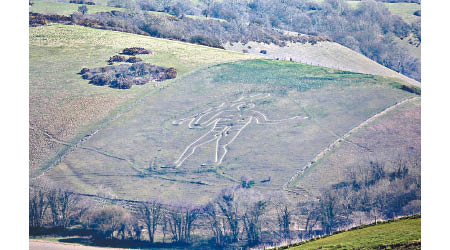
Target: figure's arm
261,118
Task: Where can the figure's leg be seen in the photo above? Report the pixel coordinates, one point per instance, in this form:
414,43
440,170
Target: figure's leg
222,143
208,137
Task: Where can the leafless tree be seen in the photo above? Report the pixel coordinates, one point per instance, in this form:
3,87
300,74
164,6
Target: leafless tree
62,206
37,207
181,222
229,206
150,213
216,222
251,219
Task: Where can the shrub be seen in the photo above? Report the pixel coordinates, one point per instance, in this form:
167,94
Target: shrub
123,76
116,58
133,59
263,51
207,41
136,51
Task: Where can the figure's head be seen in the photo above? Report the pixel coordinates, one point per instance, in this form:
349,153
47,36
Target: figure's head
248,102
245,106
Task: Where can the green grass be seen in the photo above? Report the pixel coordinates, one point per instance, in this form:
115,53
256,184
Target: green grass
404,10
66,9
334,100
404,231
49,7
66,106
326,54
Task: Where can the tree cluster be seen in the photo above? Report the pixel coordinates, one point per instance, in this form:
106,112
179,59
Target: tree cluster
240,216
370,29
123,76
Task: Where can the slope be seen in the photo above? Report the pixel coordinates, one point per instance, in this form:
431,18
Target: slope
262,119
64,106
398,234
326,54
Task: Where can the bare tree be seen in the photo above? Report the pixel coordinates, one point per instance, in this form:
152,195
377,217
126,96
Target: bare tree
108,220
61,204
216,222
284,220
229,207
37,207
150,213
181,222
252,220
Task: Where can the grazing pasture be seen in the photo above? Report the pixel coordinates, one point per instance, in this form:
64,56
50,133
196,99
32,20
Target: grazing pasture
326,54
64,107
54,7
397,234
259,119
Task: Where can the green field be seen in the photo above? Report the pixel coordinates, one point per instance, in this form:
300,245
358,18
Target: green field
399,234
53,7
65,106
66,9
134,156
326,54
404,10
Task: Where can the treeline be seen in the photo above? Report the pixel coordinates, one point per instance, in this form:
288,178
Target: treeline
239,216
370,29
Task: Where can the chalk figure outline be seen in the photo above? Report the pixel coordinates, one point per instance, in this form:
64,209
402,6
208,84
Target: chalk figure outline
227,122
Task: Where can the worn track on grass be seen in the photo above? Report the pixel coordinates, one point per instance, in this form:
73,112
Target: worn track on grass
337,142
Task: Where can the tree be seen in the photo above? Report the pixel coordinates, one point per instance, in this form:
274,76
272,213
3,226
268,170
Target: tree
252,220
150,213
37,207
284,220
208,5
108,220
181,222
216,223
62,206
229,207
83,9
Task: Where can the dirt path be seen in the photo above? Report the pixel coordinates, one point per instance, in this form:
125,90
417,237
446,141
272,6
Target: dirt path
338,141
47,245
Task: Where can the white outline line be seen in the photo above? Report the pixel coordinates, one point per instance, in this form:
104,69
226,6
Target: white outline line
195,122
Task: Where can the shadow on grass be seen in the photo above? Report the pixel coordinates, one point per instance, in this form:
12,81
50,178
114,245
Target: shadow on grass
116,243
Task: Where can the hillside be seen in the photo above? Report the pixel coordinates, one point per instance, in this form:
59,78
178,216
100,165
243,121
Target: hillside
326,54
146,147
66,107
61,8
398,234
394,136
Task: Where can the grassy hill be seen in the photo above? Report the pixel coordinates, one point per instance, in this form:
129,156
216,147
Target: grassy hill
60,8
134,156
326,54
66,107
397,234
394,135
66,9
